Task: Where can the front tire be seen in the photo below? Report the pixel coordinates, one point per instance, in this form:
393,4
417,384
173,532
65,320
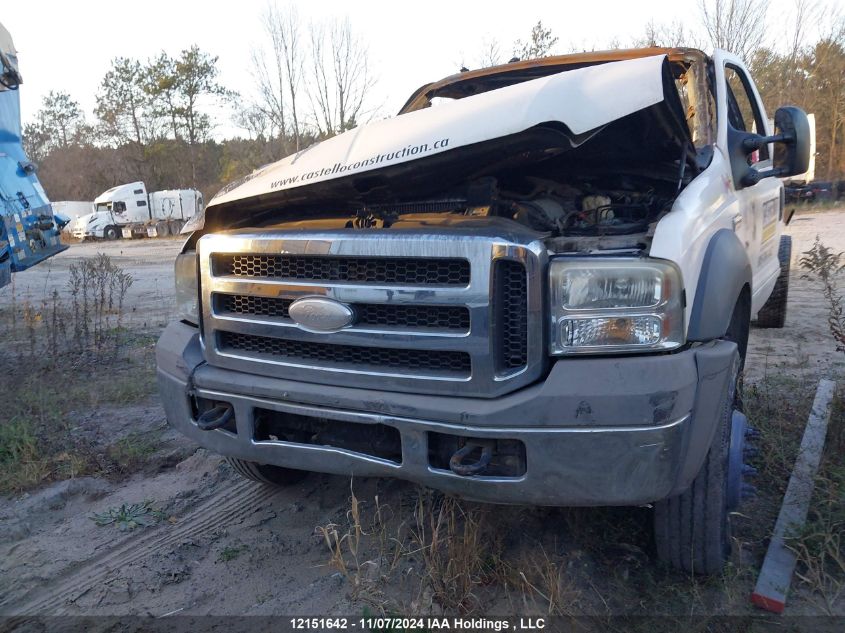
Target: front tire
110,233
266,473
692,530
773,312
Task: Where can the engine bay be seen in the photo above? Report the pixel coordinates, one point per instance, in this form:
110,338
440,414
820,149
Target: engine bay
594,214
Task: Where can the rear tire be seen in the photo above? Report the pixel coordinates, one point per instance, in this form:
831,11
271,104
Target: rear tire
175,227
773,312
692,530
162,229
265,473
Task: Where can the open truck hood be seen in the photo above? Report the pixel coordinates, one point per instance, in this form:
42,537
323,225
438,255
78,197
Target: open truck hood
563,110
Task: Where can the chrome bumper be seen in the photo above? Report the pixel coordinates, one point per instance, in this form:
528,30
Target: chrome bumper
571,459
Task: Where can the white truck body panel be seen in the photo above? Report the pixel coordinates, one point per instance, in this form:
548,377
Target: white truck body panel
91,225
7,47
584,100
175,204
711,202
74,209
171,205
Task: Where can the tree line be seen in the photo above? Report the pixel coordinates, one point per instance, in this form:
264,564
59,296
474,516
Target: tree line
152,117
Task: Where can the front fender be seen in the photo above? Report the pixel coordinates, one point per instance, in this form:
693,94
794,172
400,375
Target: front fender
725,270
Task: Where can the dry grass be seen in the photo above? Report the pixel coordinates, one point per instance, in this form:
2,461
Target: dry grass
454,550
448,554
820,546
363,549
60,358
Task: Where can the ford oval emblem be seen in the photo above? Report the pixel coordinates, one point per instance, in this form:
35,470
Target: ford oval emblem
320,314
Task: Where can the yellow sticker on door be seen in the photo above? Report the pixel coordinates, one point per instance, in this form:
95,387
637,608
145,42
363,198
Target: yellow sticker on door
770,219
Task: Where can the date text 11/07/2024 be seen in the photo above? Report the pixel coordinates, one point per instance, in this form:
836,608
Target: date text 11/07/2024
418,623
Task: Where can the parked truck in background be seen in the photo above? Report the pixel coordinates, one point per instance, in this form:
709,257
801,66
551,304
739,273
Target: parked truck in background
533,286
129,211
71,210
28,231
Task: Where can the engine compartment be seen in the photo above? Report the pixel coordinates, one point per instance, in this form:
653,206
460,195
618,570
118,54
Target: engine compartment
600,213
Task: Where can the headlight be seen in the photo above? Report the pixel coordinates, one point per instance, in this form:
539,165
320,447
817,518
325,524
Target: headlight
187,288
615,305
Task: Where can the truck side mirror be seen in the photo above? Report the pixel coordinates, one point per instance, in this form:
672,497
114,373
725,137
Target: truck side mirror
792,154
792,148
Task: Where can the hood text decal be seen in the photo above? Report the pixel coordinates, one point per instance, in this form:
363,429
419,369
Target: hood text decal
341,167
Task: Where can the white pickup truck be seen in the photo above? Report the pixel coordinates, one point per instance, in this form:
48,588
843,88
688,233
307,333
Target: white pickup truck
533,286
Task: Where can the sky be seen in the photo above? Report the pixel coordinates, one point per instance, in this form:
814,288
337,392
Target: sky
67,46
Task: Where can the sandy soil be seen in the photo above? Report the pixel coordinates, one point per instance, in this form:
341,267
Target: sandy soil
227,546
804,345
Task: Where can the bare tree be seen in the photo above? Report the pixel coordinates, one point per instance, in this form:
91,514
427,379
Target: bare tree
254,120
738,26
288,25
279,70
340,79
672,34
271,91
491,53
802,13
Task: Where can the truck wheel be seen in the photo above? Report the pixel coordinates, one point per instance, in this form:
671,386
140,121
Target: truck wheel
692,530
266,473
111,233
773,312
162,229
175,227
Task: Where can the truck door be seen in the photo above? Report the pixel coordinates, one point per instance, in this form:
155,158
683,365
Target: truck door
756,220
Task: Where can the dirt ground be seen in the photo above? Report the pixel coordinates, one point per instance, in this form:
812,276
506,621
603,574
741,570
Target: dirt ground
150,298
804,346
222,545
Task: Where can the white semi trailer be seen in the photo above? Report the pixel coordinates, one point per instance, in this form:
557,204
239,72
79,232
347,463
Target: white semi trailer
72,210
128,210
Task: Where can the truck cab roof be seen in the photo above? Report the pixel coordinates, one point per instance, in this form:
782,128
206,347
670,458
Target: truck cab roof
472,82
121,191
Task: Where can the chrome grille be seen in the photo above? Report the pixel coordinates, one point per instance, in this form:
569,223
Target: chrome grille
510,309
453,312
432,361
369,270
388,315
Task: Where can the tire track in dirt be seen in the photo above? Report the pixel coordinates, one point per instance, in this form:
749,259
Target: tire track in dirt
237,502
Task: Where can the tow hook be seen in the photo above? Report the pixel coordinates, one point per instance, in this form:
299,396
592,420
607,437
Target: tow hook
214,418
456,463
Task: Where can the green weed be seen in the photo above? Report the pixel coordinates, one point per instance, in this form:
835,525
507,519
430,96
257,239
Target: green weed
128,517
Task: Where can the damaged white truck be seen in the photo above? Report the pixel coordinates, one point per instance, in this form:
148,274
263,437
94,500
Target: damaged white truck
533,286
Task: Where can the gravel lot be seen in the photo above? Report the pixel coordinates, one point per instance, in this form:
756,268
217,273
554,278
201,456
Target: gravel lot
149,300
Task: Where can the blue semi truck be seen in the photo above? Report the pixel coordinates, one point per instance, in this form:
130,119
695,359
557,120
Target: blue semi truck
29,232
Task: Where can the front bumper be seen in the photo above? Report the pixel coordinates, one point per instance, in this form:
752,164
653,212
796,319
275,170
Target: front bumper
596,431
